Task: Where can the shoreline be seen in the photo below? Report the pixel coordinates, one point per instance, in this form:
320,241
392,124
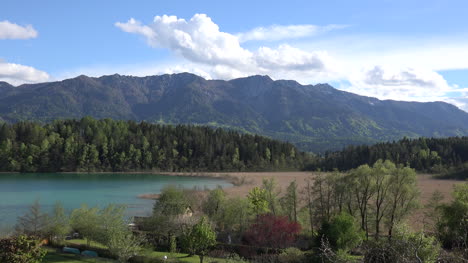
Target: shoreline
243,182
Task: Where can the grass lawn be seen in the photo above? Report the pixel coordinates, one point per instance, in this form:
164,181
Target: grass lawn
55,257
147,252
83,242
179,256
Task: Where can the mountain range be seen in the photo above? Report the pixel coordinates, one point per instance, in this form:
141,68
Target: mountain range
316,118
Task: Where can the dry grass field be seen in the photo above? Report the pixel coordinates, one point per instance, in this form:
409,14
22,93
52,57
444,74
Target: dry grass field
426,183
245,181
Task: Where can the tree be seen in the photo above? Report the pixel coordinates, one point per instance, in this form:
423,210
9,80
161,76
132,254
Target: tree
171,202
272,231
85,221
381,173
452,229
111,222
161,227
199,238
58,223
123,245
89,157
402,196
308,193
258,201
34,222
272,193
172,245
236,215
289,201
325,196
342,232
21,249
108,227
362,188
214,203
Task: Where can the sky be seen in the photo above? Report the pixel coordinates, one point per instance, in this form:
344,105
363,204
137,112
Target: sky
403,50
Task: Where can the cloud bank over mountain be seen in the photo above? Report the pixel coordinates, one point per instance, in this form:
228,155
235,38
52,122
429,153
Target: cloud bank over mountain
201,43
199,40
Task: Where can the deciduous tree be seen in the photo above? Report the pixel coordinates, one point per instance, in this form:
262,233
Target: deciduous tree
34,222
342,232
200,238
85,221
258,201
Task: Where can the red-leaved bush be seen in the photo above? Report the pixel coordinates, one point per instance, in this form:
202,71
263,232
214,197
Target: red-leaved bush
272,231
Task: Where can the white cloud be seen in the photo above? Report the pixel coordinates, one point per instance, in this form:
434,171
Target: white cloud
16,74
461,103
200,40
290,58
133,26
444,52
10,30
399,84
406,84
280,32
399,68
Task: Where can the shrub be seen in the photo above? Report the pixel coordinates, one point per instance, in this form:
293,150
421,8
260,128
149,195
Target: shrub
21,249
342,233
405,246
272,231
291,255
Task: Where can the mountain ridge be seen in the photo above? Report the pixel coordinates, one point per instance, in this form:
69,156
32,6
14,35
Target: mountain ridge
314,117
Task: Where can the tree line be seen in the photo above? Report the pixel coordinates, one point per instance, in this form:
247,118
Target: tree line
89,145
358,216
446,156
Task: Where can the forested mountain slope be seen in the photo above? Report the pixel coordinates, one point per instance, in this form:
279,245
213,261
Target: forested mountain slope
314,117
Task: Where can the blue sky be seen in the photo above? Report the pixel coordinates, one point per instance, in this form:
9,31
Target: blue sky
405,50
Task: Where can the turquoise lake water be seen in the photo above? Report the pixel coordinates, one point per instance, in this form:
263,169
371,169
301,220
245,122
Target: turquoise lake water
19,191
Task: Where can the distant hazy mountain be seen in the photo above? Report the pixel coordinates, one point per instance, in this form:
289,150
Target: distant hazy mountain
315,117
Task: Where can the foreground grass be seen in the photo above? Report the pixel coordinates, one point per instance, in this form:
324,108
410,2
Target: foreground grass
83,242
53,256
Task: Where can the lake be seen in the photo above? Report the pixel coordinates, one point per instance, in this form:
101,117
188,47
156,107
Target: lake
19,191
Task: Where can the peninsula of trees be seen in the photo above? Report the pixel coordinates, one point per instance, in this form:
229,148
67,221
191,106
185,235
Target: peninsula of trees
89,145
